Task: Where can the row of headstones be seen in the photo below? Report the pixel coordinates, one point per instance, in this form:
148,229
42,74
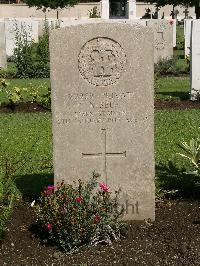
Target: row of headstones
192,49
164,34
187,34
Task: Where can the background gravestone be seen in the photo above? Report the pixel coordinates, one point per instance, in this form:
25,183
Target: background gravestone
163,38
29,25
187,33
195,60
103,105
3,58
173,21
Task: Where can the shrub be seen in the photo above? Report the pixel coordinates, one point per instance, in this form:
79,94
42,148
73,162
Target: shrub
45,99
192,153
14,96
23,52
75,215
165,67
32,59
3,73
32,94
93,13
42,48
170,66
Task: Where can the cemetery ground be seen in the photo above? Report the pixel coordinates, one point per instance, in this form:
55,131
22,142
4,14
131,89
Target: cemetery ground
171,240
26,161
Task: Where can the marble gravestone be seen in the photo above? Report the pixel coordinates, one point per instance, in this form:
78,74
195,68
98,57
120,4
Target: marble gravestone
173,22
187,34
3,58
103,109
27,25
195,60
163,38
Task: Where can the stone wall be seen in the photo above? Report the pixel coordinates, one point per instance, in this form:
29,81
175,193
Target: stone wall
81,11
15,11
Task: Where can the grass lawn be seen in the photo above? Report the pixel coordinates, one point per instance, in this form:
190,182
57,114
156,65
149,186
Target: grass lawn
167,88
29,135
172,88
180,40
172,127
25,142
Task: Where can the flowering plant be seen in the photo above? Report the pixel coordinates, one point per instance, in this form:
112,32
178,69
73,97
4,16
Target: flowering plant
75,215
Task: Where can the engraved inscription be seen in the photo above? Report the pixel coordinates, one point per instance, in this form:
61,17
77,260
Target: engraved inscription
100,108
101,61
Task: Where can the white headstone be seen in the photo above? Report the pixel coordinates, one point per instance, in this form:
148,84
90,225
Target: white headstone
187,32
11,25
164,35
173,21
131,9
105,9
163,38
195,60
3,58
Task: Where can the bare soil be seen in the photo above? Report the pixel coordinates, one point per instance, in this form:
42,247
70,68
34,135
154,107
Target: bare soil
184,104
35,107
23,107
173,239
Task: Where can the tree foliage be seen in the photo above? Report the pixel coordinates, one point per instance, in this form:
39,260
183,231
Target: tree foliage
53,4
191,3
173,2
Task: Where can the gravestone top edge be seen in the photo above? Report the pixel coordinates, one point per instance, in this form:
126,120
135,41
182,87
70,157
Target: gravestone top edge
85,24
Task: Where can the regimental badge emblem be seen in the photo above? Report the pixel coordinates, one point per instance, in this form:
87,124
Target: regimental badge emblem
101,61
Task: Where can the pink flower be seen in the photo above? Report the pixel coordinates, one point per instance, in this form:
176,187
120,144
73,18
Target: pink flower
171,22
97,218
51,187
49,227
104,187
78,200
49,190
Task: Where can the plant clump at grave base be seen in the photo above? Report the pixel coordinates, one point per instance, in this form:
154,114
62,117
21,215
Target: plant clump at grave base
77,215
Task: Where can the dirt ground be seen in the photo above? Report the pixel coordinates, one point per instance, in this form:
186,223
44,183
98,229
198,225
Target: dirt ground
35,107
173,239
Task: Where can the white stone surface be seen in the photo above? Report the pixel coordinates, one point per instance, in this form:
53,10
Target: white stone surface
105,7
131,9
164,35
29,25
174,32
187,32
195,60
163,38
3,58
103,108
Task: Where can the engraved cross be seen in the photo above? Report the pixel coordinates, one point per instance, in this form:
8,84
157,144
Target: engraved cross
186,12
104,154
161,35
